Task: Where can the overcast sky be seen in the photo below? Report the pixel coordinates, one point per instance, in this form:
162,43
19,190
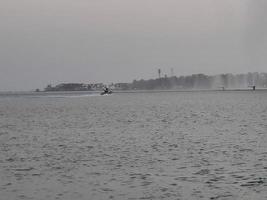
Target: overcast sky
54,41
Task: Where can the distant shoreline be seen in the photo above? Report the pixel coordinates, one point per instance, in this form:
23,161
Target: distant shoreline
15,93
199,90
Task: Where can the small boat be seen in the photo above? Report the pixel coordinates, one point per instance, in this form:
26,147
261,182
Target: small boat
106,91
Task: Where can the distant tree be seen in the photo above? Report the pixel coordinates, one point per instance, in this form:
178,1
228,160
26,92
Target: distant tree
49,88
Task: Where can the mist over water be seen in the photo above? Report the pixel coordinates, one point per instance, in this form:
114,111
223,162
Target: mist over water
242,81
201,81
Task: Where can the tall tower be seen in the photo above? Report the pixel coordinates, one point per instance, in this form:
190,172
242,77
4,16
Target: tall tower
159,71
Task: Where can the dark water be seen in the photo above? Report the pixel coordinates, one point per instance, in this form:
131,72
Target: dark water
193,145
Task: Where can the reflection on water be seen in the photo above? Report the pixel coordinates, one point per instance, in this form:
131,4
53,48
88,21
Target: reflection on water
195,145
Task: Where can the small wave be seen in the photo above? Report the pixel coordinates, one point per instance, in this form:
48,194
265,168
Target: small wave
50,95
67,96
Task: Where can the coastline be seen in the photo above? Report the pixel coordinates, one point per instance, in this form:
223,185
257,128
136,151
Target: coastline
73,93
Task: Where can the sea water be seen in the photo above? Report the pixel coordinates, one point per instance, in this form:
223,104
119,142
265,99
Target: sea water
166,145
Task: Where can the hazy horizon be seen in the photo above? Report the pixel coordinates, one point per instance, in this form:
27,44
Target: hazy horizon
119,41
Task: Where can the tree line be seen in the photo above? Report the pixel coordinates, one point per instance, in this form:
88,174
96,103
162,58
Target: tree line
201,81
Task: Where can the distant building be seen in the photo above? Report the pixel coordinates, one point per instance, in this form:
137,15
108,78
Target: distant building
69,87
121,86
96,86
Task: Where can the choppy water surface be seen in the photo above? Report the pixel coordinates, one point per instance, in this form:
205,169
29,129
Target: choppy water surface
210,145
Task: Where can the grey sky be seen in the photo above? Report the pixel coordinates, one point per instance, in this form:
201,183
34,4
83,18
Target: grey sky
55,41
